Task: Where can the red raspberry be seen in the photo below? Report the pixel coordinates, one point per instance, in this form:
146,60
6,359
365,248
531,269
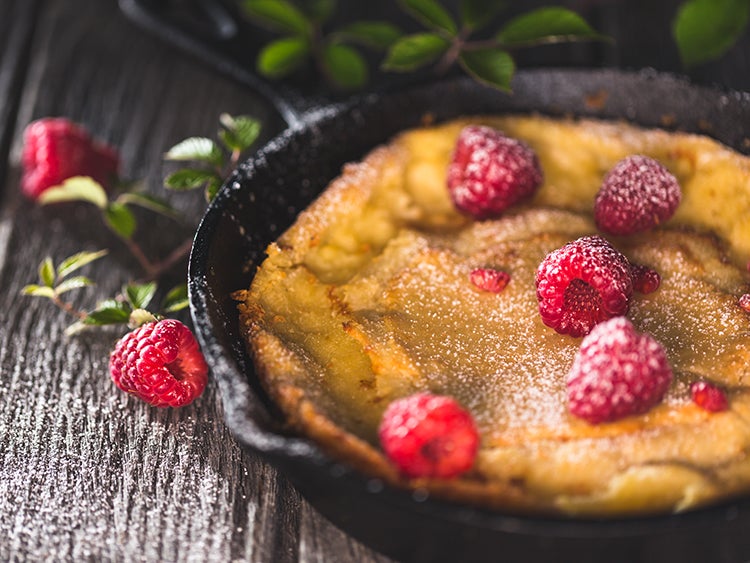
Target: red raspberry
744,302
708,396
56,149
427,435
490,280
585,282
645,280
636,195
617,373
490,172
161,363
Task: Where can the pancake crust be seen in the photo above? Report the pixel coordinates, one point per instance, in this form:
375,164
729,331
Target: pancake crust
366,298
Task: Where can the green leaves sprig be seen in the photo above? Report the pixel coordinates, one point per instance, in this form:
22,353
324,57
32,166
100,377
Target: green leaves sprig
334,53
55,281
446,40
490,61
129,307
212,161
116,213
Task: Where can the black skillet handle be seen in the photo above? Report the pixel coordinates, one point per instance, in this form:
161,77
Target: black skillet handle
214,32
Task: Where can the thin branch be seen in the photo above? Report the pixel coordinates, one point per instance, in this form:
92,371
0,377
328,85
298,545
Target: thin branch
68,308
160,268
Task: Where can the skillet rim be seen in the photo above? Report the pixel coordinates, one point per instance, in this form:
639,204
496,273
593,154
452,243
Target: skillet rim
282,449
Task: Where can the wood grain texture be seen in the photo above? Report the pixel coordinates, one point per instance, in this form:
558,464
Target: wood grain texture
87,472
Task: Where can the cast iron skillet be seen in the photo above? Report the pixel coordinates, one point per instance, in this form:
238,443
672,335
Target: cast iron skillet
263,197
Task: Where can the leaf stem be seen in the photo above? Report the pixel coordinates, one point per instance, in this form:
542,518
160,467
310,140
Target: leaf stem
68,308
148,267
173,258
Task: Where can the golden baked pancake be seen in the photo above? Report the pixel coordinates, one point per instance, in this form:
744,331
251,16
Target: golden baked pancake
366,299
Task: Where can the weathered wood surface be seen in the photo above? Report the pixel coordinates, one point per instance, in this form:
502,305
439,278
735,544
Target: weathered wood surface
87,473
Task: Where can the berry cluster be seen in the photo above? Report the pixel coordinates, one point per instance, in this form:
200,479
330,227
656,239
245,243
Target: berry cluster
56,149
616,373
636,195
428,435
161,363
490,172
585,282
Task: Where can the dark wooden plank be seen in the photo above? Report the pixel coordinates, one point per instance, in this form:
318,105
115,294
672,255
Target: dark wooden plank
87,472
16,33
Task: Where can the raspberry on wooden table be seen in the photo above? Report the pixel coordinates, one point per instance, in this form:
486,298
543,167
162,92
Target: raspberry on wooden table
617,372
583,283
489,172
161,363
427,435
55,149
635,196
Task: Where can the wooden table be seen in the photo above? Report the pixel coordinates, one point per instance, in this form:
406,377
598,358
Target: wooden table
87,472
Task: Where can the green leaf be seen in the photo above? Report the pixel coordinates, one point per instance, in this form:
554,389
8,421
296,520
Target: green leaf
320,10
545,25
476,13
277,15
77,188
76,261
200,149
189,178
431,14
120,219
345,66
239,132
140,317
176,299
414,51
374,34
76,328
150,202
107,313
282,57
47,272
73,283
121,304
706,29
140,295
212,188
493,67
38,291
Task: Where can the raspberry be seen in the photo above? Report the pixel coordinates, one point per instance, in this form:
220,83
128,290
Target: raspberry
585,282
56,149
161,363
645,280
744,302
490,172
708,396
427,435
617,372
636,195
490,280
